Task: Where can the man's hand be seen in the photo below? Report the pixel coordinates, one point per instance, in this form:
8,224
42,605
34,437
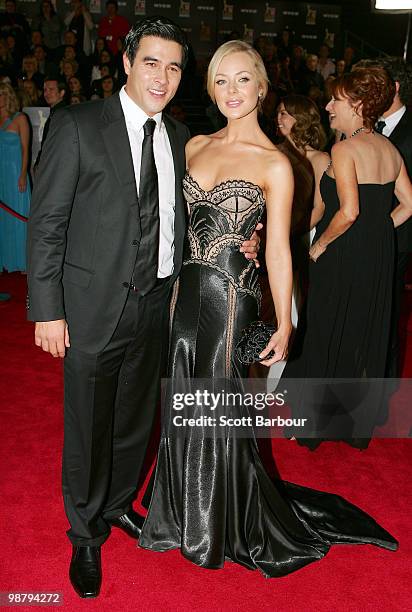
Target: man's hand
52,337
251,247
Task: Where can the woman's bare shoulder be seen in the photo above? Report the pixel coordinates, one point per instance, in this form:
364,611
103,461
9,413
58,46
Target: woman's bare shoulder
19,121
197,143
203,139
276,159
276,170
319,160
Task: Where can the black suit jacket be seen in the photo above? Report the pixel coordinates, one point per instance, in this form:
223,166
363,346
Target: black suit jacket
401,137
84,229
46,128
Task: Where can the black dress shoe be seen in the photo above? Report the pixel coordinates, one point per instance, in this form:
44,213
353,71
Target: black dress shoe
86,570
131,523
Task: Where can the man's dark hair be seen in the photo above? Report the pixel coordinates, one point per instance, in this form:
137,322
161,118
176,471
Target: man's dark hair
398,69
41,47
112,2
61,86
155,26
71,32
49,2
401,72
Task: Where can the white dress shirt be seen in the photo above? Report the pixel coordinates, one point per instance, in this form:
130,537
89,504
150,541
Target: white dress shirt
135,119
392,121
326,69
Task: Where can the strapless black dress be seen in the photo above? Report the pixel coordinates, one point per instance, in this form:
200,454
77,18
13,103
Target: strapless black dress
344,330
212,497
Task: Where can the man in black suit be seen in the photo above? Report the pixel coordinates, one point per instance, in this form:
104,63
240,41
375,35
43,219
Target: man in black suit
396,124
105,245
54,92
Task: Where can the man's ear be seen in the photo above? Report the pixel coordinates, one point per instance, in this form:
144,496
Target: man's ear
397,88
126,64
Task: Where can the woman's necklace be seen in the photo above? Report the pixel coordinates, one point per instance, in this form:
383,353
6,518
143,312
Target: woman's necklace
358,131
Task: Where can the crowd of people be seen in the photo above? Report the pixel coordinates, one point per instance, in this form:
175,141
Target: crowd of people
86,59
65,48
65,59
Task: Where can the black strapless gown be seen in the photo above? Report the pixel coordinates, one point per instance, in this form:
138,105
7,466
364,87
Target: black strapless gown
212,497
344,332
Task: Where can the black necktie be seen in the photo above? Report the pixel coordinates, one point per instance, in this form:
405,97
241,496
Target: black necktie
379,126
145,272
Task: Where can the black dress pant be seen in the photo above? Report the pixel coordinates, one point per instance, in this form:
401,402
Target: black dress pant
110,402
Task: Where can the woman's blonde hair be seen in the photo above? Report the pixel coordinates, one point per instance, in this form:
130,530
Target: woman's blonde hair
72,63
236,46
12,104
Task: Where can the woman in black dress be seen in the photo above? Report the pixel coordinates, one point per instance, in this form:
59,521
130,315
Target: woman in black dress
345,332
212,497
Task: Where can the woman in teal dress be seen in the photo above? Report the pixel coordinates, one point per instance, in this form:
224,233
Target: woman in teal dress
14,186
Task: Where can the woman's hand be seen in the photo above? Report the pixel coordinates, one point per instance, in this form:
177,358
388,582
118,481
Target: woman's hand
279,344
316,250
22,183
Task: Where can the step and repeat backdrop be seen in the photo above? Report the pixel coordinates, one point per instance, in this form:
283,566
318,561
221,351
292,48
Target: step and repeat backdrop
209,23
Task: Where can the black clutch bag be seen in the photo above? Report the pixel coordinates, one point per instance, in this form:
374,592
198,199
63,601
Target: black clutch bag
255,338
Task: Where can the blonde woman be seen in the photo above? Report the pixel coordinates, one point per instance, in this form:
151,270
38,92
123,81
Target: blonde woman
68,69
212,497
30,94
14,186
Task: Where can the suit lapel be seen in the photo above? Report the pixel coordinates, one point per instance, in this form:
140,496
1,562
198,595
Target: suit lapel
115,137
178,155
398,133
116,140
180,208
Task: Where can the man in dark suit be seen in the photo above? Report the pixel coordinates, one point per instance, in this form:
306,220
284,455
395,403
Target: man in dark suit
54,92
396,124
105,245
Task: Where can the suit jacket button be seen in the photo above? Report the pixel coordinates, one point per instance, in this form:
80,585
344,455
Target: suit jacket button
126,285
134,243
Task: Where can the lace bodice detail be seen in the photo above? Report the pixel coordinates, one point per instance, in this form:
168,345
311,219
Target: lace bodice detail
220,220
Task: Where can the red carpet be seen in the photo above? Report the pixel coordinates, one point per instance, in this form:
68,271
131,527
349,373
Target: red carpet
35,551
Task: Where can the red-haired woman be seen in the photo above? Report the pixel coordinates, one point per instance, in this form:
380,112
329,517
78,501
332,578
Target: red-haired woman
349,301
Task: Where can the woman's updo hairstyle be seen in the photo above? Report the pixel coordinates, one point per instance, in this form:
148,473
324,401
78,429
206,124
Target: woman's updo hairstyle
372,87
308,130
